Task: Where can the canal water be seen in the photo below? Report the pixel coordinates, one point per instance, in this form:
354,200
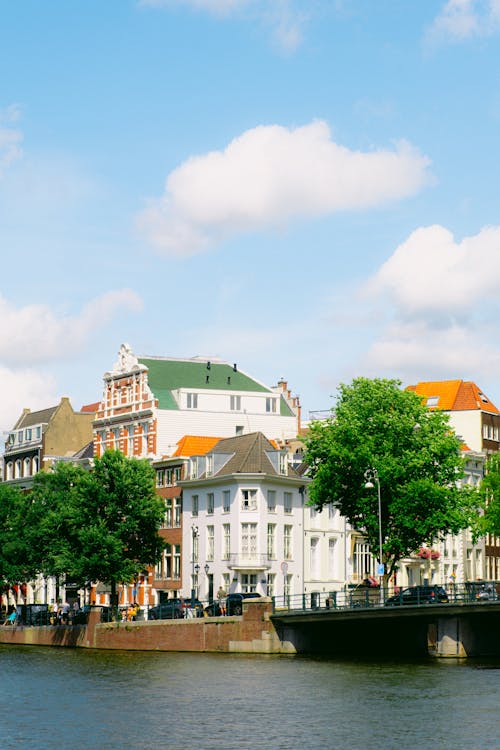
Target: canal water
77,699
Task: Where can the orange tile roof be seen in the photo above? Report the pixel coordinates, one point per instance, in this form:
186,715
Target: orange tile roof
454,395
195,445
90,407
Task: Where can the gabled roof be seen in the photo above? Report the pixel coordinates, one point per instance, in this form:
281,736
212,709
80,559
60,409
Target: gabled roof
193,445
454,395
86,452
166,375
248,455
30,418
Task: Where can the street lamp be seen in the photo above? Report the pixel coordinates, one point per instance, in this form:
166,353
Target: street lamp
194,532
371,475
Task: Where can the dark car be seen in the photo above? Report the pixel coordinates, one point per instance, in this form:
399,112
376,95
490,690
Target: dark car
482,591
418,595
81,616
169,610
234,602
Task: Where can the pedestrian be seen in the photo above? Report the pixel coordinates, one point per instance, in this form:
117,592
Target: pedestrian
221,598
11,619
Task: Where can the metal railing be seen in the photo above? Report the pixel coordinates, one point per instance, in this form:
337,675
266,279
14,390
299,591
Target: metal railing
362,597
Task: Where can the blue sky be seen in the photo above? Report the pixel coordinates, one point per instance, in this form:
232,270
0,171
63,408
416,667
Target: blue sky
309,189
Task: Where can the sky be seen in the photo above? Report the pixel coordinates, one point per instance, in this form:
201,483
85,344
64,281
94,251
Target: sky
307,188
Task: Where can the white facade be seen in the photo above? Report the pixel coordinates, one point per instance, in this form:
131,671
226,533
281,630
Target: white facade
248,531
328,560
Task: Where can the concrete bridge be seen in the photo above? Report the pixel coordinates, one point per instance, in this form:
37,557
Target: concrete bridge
456,629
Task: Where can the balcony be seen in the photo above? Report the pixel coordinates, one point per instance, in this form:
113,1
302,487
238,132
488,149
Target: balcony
249,561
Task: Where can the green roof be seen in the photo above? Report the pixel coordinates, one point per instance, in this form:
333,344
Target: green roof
167,375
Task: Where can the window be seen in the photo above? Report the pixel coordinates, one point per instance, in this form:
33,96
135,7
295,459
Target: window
287,542
432,401
248,582
130,441
249,500
176,573
194,505
177,474
10,470
167,570
226,501
27,467
226,581
235,403
271,501
288,585
287,502
210,542
177,512
38,432
271,584
27,435
239,429
314,557
283,463
192,400
160,477
210,503
331,511
271,541
271,405
249,539
210,465
20,436
35,465
331,557
168,513
226,550
194,467
18,469
362,560
116,438
168,477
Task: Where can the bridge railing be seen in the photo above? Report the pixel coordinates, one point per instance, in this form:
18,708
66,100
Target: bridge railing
364,597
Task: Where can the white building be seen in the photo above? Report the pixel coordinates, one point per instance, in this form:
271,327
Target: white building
149,403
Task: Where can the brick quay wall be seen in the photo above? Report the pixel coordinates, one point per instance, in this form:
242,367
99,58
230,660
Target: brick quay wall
253,632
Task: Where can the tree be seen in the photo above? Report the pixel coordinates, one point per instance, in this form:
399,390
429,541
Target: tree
377,425
490,494
15,558
102,524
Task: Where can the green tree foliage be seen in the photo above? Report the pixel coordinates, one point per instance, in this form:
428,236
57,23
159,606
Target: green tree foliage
16,564
100,525
490,494
378,425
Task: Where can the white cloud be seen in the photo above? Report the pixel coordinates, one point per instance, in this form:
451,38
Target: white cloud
270,175
283,17
10,137
24,388
35,334
430,272
437,307
462,19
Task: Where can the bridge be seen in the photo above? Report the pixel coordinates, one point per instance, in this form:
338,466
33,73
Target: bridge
462,627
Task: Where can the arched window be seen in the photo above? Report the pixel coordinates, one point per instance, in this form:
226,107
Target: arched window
10,470
18,469
34,465
27,467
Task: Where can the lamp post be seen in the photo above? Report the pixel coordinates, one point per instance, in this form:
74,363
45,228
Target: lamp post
371,476
194,532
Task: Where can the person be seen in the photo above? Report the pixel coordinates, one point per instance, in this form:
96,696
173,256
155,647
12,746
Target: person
221,598
11,619
65,610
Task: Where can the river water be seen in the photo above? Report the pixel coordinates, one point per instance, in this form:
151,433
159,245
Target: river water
76,699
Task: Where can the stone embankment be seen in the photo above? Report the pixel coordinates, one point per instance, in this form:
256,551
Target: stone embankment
253,632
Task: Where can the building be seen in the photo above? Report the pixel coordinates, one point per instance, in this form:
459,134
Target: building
150,403
243,508
41,438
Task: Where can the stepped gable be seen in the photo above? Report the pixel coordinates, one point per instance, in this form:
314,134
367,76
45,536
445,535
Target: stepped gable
454,395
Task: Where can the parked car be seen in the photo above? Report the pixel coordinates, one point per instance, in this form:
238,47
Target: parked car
81,616
418,595
213,609
234,602
482,591
169,610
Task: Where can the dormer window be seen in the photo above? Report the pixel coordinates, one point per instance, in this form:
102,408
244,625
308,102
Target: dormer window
432,401
271,405
210,465
192,401
235,403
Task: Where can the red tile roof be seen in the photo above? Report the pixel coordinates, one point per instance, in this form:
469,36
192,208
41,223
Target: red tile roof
90,407
454,395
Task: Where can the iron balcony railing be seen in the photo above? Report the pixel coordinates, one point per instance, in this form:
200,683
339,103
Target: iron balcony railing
249,561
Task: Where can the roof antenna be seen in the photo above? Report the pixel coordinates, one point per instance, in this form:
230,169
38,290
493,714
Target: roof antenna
209,365
235,369
207,379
